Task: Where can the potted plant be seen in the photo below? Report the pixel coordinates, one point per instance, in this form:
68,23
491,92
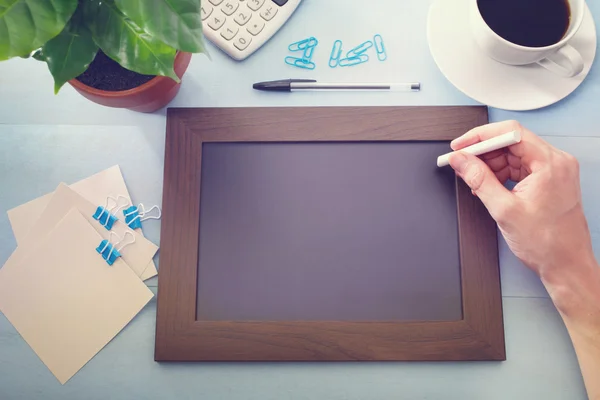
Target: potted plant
118,53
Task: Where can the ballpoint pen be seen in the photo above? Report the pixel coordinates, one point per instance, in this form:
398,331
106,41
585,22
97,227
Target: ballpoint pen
297,85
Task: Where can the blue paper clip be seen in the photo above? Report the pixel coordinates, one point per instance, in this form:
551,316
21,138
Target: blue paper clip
380,48
134,218
360,49
336,53
303,44
352,61
308,53
110,252
300,63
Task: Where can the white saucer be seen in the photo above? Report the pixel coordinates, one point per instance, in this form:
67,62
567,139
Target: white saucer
490,82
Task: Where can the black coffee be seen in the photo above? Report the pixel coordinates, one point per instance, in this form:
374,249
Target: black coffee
531,23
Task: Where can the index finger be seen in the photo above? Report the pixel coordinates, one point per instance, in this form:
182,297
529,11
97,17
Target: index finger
489,131
532,150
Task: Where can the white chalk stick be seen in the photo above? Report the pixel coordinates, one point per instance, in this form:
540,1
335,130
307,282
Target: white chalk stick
486,146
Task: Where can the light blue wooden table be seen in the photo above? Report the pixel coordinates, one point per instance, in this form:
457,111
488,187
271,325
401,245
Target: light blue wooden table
45,140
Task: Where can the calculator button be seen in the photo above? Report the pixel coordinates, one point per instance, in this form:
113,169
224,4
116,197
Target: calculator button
268,12
242,41
256,26
242,16
255,4
229,7
205,11
216,21
229,30
216,2
280,2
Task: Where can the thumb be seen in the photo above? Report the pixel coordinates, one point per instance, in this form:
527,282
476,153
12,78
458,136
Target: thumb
482,181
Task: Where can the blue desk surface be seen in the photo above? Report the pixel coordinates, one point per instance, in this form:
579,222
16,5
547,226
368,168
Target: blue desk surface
47,139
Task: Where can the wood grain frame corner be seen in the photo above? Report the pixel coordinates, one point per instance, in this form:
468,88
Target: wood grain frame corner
179,337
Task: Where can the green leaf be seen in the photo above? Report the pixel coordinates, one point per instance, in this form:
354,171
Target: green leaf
128,44
26,25
69,54
178,23
38,55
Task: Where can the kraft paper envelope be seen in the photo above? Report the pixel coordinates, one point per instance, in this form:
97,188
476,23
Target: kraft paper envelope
94,189
137,255
64,299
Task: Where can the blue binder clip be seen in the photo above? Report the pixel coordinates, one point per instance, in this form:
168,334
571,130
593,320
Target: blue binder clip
110,252
132,217
380,48
105,214
135,215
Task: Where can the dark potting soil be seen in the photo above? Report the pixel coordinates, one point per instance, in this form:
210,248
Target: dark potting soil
106,74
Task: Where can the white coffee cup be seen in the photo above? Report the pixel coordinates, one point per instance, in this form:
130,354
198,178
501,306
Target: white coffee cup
560,58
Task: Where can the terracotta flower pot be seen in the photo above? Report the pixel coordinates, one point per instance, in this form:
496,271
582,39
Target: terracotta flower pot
149,97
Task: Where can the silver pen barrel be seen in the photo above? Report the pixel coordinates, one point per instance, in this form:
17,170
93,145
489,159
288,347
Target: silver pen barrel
317,86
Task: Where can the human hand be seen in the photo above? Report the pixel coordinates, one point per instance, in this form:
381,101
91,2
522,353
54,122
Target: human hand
542,217
543,223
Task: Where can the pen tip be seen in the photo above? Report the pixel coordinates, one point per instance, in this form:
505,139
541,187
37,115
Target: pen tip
274,86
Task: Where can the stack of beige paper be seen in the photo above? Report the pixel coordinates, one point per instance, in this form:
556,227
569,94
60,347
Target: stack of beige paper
57,290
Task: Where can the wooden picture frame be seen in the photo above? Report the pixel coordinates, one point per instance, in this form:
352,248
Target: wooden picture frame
180,337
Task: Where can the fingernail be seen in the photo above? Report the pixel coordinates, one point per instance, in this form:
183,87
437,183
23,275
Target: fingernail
458,161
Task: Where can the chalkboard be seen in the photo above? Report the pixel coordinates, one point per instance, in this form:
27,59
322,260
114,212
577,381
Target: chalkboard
323,234
327,231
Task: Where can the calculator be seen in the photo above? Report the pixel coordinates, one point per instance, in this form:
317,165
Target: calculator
240,27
